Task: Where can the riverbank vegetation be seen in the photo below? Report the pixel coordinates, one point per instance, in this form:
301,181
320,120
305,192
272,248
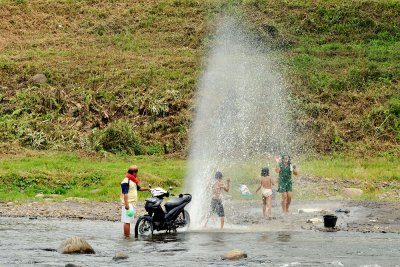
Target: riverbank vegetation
121,75
97,176
93,177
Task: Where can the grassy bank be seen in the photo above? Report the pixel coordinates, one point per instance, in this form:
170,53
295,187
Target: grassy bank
342,61
97,177
73,175
368,169
129,68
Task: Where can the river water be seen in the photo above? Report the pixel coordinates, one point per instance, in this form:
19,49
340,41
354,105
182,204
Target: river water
27,242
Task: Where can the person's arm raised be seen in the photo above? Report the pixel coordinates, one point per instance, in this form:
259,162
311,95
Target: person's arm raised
228,181
277,169
295,172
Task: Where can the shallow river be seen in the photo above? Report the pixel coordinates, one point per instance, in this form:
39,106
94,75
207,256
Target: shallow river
26,242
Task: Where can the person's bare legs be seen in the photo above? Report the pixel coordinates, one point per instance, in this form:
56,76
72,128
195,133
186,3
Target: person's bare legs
269,204
222,222
264,206
127,229
289,200
284,202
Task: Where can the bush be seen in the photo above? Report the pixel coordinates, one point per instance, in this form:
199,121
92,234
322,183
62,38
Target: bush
155,149
394,105
118,137
35,140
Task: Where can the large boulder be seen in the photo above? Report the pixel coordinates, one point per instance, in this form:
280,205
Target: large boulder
352,192
75,245
234,254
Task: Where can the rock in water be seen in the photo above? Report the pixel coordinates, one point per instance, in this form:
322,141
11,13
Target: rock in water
39,78
234,254
120,256
352,192
74,245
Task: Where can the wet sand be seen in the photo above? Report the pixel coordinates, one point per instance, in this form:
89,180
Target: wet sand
364,216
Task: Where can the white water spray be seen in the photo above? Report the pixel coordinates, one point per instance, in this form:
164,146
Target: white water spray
240,112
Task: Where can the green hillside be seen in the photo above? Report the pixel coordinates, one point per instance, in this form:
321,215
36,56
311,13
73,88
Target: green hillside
121,75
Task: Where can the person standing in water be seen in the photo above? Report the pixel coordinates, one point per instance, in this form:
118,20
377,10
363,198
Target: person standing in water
285,169
216,201
129,188
266,183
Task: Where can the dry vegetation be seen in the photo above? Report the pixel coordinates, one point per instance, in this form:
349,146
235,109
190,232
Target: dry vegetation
110,64
104,61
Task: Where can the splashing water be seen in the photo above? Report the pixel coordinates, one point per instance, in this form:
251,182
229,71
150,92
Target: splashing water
240,112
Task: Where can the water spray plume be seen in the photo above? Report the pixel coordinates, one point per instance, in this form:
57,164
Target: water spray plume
241,112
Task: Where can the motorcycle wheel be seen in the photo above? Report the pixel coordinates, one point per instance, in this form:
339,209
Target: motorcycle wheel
143,227
185,218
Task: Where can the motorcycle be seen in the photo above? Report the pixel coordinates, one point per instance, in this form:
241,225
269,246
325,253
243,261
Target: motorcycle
172,217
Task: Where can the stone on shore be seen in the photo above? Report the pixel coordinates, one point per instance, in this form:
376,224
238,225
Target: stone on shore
76,199
234,255
39,78
120,256
75,245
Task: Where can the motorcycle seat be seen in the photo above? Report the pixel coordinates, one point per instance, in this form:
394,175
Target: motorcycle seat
176,201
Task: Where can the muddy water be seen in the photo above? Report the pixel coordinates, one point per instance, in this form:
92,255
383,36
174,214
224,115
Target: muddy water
26,242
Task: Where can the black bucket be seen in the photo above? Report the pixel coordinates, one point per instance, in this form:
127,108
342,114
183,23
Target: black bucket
330,220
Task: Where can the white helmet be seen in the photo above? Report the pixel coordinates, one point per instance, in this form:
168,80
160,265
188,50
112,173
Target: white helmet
158,191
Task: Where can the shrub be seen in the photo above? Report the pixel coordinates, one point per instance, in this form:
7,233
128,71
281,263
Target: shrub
118,137
155,149
394,105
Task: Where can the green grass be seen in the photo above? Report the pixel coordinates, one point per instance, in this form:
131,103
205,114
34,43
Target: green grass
72,175
369,169
77,175
342,62
366,173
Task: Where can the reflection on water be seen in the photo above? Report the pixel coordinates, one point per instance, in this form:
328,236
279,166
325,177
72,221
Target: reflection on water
264,237
27,242
283,236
